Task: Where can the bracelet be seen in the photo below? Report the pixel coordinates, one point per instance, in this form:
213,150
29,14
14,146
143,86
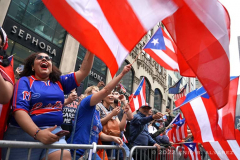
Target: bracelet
35,135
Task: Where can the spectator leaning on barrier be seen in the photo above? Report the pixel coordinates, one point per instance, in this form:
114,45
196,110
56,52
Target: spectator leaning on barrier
37,105
157,132
139,135
107,112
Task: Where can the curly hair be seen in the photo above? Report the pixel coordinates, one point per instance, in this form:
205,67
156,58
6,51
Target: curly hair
29,62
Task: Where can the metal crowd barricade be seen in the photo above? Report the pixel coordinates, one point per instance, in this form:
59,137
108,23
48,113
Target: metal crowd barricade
39,145
150,152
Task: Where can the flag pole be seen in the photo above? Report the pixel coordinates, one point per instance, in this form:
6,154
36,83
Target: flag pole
136,57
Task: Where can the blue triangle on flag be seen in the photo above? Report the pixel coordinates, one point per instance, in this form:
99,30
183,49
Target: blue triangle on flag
192,146
180,123
157,41
176,119
139,88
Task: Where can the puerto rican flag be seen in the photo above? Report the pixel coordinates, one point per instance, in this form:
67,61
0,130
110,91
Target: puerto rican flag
200,31
176,119
138,99
110,29
163,50
179,131
201,116
223,150
192,150
227,114
169,135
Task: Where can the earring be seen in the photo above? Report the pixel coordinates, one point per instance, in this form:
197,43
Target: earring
32,69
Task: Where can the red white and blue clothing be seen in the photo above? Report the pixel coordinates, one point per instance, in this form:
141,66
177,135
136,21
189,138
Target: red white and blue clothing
8,75
88,125
43,101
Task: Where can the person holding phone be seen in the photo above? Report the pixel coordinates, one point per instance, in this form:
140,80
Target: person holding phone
37,105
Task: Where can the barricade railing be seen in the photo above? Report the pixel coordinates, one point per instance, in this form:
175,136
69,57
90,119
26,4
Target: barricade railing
150,152
39,145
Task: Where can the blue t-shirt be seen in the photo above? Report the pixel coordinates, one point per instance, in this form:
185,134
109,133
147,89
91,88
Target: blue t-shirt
83,129
42,100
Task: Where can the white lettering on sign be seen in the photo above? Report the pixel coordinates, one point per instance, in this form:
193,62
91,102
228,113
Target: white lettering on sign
21,33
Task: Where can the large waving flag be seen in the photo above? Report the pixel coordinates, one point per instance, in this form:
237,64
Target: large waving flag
223,150
201,115
109,29
163,50
138,99
227,114
192,150
200,32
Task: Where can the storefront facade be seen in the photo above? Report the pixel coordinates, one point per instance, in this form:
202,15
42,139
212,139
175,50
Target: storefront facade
31,28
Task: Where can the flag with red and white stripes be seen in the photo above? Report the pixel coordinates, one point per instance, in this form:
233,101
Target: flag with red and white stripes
110,29
199,29
225,149
227,114
163,50
201,116
179,131
138,99
181,93
192,150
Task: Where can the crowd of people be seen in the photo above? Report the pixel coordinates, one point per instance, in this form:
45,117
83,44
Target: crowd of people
41,111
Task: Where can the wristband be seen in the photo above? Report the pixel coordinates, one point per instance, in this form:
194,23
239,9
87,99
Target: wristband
35,135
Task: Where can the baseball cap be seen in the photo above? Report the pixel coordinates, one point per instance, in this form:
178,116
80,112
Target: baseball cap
146,105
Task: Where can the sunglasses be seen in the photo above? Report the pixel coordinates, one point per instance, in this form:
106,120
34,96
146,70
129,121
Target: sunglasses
39,57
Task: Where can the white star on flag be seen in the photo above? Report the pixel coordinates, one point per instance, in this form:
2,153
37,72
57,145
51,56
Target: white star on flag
191,146
155,41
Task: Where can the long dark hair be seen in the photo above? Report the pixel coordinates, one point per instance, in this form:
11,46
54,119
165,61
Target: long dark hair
29,62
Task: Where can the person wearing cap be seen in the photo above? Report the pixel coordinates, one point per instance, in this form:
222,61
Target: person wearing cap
157,132
139,135
6,71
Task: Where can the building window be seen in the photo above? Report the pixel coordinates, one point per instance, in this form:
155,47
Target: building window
35,16
98,72
148,89
169,81
20,53
169,103
98,65
158,100
127,80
